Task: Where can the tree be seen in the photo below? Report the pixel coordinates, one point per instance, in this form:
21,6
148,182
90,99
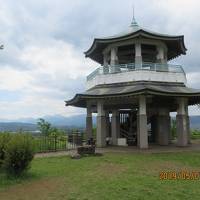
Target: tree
56,132
44,127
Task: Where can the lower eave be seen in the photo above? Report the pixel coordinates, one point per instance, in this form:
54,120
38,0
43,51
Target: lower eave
105,92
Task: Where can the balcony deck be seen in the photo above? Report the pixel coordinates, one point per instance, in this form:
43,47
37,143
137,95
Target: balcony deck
136,72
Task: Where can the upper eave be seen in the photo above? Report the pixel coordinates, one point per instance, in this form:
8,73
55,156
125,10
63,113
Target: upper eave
100,43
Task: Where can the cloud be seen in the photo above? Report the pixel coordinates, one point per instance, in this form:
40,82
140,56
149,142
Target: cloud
43,63
193,79
34,107
56,71
12,79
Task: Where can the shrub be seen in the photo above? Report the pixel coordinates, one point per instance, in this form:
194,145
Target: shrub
4,139
18,155
195,134
56,132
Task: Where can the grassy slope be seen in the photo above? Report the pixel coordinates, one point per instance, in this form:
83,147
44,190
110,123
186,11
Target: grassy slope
112,176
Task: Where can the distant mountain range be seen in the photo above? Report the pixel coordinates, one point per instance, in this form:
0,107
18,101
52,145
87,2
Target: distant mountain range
30,124
77,121
17,126
195,122
57,120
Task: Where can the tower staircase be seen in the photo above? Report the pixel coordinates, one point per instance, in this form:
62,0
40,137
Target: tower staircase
128,128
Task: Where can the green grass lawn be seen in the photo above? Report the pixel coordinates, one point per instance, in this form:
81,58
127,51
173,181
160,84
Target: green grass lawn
111,176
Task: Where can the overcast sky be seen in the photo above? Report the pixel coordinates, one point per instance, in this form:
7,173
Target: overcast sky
43,64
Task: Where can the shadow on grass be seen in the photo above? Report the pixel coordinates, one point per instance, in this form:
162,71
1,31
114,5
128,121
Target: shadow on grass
9,180
92,155
84,155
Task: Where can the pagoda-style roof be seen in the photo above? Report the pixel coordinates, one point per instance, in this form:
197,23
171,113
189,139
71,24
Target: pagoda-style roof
137,88
174,43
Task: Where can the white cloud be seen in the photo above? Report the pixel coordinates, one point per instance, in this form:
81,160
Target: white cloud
194,110
44,41
51,69
34,107
11,79
193,79
56,59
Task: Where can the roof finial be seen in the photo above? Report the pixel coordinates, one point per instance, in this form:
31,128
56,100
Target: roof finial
133,23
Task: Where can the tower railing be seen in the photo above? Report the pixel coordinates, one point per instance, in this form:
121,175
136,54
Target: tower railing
120,68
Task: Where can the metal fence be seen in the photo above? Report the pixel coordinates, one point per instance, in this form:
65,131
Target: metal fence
58,143
119,68
75,140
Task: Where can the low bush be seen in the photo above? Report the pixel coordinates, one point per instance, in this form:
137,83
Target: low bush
19,152
4,139
195,134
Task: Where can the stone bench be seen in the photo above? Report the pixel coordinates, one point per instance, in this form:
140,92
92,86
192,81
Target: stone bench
87,149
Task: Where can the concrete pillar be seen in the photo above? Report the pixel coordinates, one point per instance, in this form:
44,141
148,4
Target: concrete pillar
182,123
114,57
131,122
154,130
188,124
107,124
105,59
165,56
101,125
89,123
115,126
163,126
142,133
138,56
114,60
170,133
105,64
160,55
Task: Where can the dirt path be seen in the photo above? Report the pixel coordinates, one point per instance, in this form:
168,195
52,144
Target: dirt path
55,154
195,146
